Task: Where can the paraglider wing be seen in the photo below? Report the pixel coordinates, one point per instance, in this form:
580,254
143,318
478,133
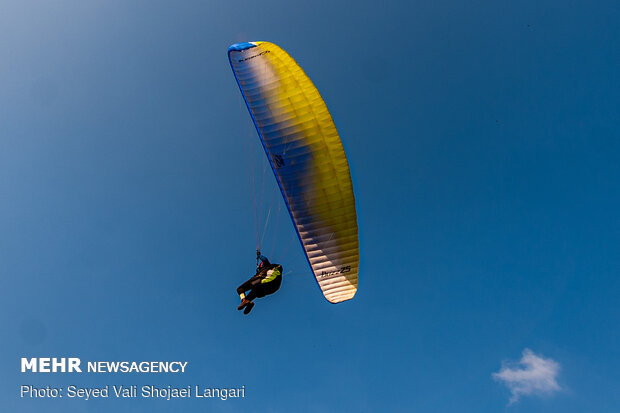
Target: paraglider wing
307,158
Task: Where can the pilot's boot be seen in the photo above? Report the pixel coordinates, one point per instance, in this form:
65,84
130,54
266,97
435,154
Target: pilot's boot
249,306
244,302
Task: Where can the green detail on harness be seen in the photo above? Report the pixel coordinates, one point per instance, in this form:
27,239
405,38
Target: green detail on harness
274,273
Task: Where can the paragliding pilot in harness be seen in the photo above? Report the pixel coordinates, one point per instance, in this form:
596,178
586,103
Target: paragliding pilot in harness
266,281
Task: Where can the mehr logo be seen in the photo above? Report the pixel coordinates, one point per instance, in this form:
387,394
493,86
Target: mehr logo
51,365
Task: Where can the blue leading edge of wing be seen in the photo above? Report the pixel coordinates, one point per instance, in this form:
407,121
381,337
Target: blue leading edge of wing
240,46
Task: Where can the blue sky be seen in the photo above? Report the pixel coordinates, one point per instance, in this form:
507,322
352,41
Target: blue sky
483,140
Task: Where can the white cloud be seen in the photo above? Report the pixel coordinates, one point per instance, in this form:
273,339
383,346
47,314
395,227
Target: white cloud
532,375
